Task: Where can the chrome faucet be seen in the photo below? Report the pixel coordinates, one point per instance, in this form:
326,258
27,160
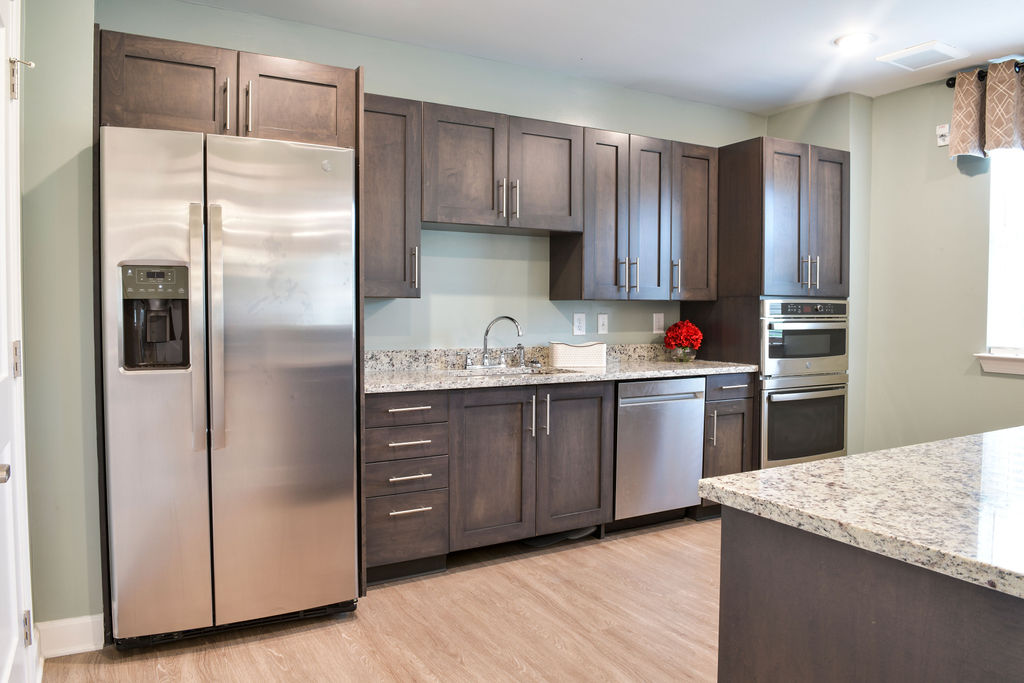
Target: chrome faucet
485,361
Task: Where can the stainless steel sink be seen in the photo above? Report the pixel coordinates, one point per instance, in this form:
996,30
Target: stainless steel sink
494,370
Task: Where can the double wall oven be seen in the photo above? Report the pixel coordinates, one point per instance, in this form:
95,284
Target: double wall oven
804,360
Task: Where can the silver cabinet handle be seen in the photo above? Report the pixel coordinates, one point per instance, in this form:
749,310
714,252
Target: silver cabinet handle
547,426
411,477
714,428
5,474
636,287
196,294
415,267
227,103
425,508
817,272
504,192
733,386
408,410
517,186
399,444
249,97
678,267
533,423
625,274
215,263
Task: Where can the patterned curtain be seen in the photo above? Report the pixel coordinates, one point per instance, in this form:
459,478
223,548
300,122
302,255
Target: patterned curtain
988,114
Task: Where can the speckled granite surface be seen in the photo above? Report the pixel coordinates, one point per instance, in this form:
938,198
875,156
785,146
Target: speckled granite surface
381,382
446,359
954,506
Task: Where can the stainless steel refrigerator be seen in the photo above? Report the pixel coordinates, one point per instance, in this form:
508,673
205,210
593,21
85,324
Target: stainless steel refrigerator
228,328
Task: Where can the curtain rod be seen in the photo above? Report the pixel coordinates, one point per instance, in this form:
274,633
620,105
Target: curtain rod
951,81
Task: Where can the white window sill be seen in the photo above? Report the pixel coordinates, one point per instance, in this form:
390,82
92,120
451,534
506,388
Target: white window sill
1002,364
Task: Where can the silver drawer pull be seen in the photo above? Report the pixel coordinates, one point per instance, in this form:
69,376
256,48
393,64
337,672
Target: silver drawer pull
421,442
734,386
397,513
426,475
408,410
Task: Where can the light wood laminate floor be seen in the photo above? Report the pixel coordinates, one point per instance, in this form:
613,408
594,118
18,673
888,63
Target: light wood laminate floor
636,605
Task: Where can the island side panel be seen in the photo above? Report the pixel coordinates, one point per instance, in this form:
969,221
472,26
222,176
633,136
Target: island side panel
796,606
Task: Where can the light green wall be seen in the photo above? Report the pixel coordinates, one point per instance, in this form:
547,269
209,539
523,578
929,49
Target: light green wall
844,122
929,248
60,413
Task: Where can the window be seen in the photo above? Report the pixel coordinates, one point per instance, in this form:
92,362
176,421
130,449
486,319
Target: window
1006,254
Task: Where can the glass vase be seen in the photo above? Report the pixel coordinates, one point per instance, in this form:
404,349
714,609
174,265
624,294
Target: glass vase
683,354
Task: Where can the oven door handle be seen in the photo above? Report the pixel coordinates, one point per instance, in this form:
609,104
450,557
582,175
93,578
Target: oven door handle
806,395
809,326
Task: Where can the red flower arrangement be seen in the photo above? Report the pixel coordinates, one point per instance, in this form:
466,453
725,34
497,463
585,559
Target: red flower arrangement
683,334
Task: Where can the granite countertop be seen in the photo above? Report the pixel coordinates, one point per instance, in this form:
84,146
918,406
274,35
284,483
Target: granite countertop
954,506
387,381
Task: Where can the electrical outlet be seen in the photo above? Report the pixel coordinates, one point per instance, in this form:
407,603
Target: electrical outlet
942,135
602,323
659,323
579,324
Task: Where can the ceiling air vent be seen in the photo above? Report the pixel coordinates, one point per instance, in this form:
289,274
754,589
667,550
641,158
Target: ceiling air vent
923,56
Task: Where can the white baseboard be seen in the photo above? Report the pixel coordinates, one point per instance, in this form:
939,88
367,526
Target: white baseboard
70,636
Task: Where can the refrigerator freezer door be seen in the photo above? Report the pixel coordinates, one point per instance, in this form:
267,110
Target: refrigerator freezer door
151,212
282,406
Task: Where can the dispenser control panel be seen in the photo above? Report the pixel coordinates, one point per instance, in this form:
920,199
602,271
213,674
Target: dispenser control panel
154,282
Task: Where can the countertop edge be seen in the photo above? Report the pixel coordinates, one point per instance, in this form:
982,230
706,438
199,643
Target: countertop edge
880,542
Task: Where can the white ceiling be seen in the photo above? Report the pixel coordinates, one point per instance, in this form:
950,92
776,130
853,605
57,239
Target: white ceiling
755,55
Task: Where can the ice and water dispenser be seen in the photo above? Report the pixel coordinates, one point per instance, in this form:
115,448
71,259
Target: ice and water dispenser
155,301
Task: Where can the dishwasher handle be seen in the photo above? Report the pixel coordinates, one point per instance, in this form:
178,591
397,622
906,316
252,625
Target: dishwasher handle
664,398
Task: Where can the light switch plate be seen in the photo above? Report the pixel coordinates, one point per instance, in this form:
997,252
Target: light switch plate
602,323
942,135
579,324
659,323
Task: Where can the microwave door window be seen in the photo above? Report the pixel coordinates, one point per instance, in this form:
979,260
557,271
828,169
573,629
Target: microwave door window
806,343
800,429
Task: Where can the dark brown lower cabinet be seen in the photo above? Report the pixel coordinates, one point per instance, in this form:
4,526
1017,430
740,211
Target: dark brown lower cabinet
729,437
528,461
575,455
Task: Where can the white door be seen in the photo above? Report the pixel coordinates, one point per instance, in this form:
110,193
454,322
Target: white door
17,658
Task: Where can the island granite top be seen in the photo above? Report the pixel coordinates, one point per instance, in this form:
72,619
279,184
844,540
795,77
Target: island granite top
389,381
954,506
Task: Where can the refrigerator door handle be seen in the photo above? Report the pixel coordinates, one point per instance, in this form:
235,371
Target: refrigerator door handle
216,268
196,287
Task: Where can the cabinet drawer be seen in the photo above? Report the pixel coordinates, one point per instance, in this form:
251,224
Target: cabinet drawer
396,443
414,408
404,476
738,385
406,526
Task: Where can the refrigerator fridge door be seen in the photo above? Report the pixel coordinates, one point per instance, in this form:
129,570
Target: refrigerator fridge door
151,213
282,379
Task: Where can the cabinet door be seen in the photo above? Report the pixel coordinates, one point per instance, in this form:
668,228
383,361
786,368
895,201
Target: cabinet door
605,214
729,437
575,456
286,99
492,466
391,197
694,260
786,219
154,83
650,214
465,166
545,173
830,221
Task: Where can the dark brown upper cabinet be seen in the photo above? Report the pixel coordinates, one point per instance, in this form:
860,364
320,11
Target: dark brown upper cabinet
487,169
650,212
784,211
286,99
694,241
153,83
391,197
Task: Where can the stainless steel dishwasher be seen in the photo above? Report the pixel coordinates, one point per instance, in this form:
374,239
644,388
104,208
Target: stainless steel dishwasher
659,447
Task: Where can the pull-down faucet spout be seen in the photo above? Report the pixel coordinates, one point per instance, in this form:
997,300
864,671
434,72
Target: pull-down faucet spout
485,361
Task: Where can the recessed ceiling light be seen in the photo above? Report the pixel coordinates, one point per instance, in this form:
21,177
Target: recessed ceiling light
852,41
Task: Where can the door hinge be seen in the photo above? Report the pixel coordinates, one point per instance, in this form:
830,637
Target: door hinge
26,622
15,62
16,359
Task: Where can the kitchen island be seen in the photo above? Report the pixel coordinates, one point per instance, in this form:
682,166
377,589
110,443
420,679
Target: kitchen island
903,564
